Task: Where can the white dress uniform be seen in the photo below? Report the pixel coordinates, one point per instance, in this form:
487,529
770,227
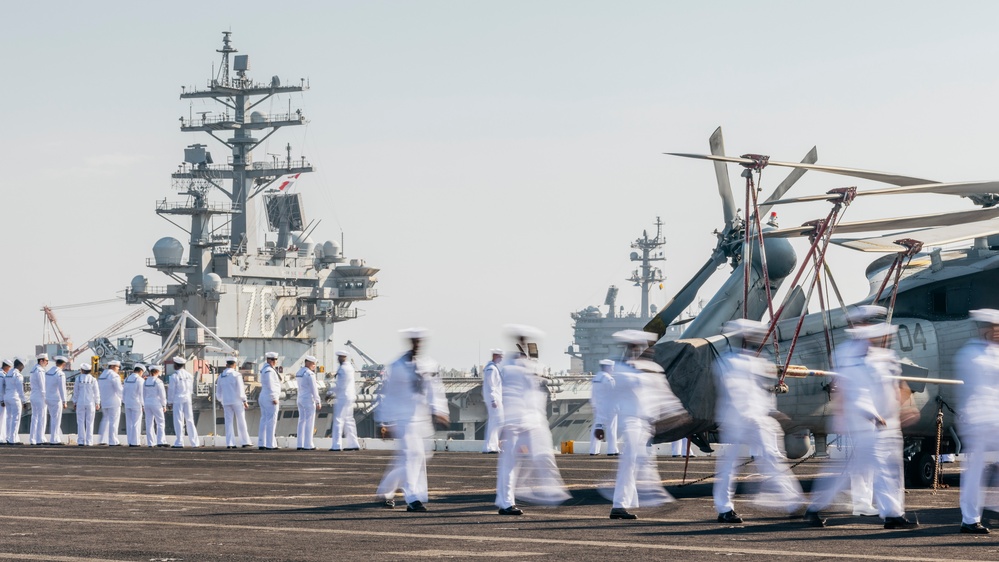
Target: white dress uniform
867,394
13,398
977,364
533,476
308,399
39,412
344,427
743,415
492,396
3,408
55,398
270,392
86,395
110,386
132,396
409,395
601,399
232,395
180,393
154,400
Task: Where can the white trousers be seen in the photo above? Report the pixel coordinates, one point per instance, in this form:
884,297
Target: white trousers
981,449
155,422
39,413
638,481
344,427
55,421
268,425
110,418
3,423
85,424
13,420
306,425
408,470
493,425
526,467
133,425
183,414
780,489
235,423
879,453
610,436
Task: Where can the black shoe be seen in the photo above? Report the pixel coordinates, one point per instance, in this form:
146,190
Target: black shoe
262,448
133,445
729,517
512,510
416,506
336,450
300,448
116,445
174,446
622,513
164,445
613,454
489,452
388,504
974,529
353,449
593,454
273,448
899,523
813,519
247,446
229,447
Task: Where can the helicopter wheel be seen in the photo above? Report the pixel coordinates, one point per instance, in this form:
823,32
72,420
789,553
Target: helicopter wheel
919,470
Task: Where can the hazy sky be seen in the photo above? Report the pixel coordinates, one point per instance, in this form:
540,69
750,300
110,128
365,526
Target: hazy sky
494,159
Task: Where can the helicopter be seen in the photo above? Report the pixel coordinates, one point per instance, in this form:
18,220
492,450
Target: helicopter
927,290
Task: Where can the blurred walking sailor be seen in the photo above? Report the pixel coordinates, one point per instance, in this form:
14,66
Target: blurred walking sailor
526,465
308,403
154,403
601,400
746,400
270,392
13,399
492,397
132,396
640,398
871,410
412,403
86,398
55,398
344,427
39,413
977,364
111,389
232,393
180,395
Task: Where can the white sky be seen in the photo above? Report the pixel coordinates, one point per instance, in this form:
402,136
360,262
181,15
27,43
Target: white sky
495,159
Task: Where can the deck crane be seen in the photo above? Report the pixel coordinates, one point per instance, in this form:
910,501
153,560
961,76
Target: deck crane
52,334
373,367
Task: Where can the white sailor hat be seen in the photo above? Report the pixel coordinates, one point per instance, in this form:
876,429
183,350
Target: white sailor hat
341,353
871,331
988,315
7,362
309,358
62,358
866,313
230,359
41,356
518,331
634,337
271,355
744,327
18,358
157,368
496,351
606,363
414,333
114,363
85,367
139,367
178,360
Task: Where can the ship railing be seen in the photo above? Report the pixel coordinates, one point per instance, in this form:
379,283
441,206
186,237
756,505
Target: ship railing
226,118
358,293
277,165
213,206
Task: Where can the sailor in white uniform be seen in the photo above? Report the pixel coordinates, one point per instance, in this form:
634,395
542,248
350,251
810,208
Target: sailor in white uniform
746,400
55,398
308,403
871,409
492,397
270,393
110,386
13,399
154,403
344,427
39,413
3,408
602,389
526,465
132,396
180,394
86,400
412,403
231,391
977,364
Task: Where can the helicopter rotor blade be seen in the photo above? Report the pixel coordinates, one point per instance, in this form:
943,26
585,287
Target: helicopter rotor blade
964,189
883,177
717,143
936,236
685,296
919,221
788,182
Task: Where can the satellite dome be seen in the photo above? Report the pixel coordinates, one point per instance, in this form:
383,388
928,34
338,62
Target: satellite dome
139,284
331,249
168,251
257,117
212,282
